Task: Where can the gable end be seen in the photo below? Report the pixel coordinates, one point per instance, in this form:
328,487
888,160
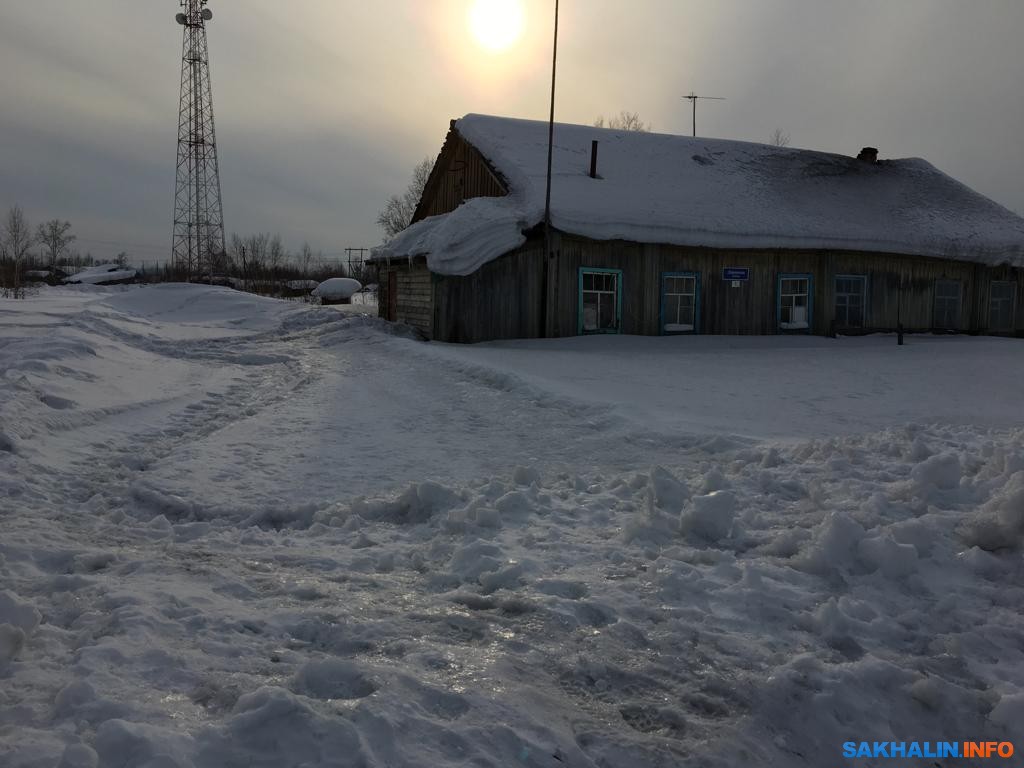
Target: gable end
460,173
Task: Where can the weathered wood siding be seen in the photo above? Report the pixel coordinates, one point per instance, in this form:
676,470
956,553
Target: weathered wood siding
501,300
752,308
414,303
505,298
459,174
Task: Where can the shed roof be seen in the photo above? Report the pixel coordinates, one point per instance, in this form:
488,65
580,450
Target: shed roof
658,188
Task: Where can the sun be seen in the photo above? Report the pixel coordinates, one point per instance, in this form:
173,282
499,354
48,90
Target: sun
496,24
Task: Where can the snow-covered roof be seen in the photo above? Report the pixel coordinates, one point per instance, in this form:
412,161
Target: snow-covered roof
657,188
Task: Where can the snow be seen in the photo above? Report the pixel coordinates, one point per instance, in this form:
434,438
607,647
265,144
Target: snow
337,288
655,188
241,531
102,274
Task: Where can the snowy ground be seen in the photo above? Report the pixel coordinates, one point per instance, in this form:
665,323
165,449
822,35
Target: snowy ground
244,532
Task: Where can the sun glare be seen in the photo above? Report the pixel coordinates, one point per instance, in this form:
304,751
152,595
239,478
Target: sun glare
496,24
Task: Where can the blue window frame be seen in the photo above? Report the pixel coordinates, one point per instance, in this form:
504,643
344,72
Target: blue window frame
795,306
851,301
948,303
680,303
599,309
1002,298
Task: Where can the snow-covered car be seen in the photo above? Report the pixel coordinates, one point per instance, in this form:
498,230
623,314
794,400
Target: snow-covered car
337,290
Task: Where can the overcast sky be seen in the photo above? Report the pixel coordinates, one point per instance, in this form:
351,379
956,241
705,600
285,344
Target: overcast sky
324,106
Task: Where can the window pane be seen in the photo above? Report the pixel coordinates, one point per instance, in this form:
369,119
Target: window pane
1001,305
849,302
606,313
1002,290
671,309
590,311
854,285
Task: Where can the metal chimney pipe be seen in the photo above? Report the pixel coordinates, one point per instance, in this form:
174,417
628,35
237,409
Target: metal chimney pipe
593,159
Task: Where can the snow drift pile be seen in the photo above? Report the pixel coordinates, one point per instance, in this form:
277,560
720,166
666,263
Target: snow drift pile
247,532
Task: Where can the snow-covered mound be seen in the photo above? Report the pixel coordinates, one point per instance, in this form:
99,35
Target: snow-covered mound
338,288
656,188
102,274
248,532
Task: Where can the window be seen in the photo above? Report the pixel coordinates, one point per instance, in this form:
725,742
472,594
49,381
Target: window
680,302
600,307
947,305
1001,306
851,291
794,302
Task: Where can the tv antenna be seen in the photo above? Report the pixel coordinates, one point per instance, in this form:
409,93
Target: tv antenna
198,242
693,100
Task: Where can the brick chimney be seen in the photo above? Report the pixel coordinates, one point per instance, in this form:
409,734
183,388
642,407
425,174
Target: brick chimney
868,155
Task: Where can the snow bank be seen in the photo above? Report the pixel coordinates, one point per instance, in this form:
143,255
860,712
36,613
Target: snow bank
245,532
655,188
999,524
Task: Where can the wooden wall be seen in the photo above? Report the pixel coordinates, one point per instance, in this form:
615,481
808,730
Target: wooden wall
460,173
501,300
752,308
415,295
505,298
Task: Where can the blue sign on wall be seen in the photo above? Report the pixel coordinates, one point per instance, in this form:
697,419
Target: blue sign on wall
736,273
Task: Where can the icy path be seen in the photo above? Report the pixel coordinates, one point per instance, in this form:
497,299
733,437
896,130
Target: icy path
190,574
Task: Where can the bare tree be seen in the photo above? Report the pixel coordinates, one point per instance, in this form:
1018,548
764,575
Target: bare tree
779,138
398,211
54,237
276,257
624,121
15,241
304,258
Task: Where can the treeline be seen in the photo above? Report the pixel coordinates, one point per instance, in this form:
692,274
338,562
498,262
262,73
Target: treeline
51,241
261,264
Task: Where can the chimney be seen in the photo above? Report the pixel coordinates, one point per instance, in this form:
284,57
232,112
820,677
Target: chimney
593,159
868,155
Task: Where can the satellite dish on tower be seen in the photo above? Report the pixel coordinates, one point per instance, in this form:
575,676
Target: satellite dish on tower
181,19
207,14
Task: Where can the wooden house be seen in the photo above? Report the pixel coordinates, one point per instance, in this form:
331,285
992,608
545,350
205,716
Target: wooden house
656,234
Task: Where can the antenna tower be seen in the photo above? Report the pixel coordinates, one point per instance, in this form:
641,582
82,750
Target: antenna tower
198,244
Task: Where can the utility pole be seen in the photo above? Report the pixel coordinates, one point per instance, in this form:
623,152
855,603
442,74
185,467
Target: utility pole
198,241
548,255
693,100
352,260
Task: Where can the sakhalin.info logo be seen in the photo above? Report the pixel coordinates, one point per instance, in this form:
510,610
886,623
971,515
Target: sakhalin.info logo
947,749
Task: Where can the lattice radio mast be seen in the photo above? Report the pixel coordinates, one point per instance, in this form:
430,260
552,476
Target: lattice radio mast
198,216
